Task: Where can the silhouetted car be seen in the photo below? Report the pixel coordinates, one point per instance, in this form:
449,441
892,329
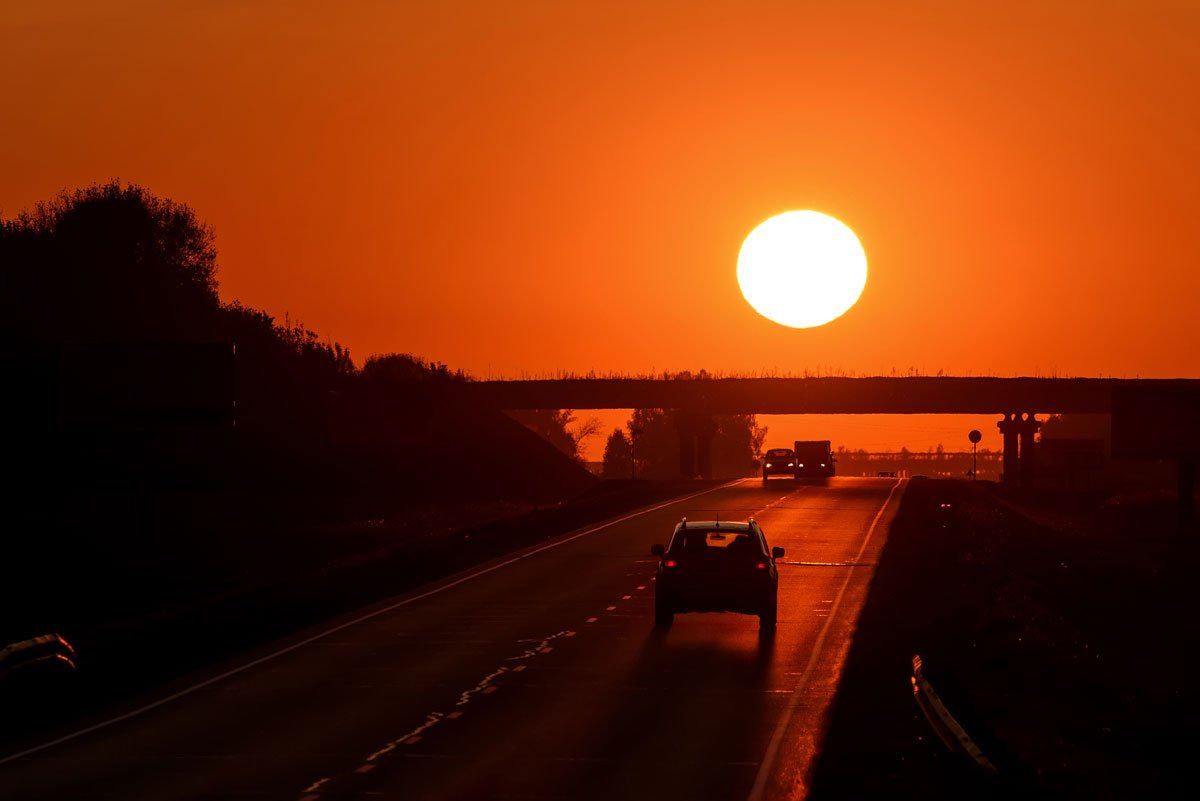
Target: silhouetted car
779,462
715,566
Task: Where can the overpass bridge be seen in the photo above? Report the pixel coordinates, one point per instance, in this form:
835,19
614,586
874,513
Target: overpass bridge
1017,401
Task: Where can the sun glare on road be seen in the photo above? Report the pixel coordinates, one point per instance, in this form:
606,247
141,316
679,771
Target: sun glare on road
802,269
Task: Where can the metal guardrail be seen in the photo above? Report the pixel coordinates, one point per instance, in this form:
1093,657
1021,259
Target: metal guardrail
46,648
944,724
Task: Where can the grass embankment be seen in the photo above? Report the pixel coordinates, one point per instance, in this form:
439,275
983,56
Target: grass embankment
208,595
1058,628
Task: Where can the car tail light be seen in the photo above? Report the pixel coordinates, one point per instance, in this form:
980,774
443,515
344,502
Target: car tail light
761,565
670,563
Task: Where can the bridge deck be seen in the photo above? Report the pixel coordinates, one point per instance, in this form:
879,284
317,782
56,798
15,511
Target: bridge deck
884,395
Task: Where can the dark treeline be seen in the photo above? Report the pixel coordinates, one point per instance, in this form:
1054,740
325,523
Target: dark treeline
652,437
317,461
115,264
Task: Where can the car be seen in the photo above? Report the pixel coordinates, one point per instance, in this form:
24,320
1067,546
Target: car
779,462
885,474
717,566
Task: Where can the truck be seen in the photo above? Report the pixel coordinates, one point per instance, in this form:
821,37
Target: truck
814,458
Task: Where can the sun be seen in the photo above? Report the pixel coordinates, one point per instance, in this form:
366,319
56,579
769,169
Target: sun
802,269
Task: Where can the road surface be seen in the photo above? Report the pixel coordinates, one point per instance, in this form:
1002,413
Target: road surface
536,677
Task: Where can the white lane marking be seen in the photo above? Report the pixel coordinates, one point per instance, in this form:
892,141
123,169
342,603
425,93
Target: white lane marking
626,597
312,788
483,685
413,736
542,646
768,760
641,586
361,618
610,608
591,620
486,686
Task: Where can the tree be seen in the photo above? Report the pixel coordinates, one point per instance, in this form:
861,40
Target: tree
736,444
555,426
617,463
108,262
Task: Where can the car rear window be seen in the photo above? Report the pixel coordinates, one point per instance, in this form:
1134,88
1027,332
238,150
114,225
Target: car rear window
713,541
779,453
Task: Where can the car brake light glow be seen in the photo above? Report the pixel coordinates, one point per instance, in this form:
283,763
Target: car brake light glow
761,565
670,563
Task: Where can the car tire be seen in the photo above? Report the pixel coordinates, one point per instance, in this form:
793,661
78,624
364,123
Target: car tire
769,616
664,615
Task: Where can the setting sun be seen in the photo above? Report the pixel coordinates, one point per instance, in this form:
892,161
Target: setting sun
802,269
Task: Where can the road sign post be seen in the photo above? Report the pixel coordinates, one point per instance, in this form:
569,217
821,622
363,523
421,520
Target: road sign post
974,436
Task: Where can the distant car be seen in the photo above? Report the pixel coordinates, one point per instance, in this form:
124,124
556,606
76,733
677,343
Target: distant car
918,476
886,474
779,462
715,566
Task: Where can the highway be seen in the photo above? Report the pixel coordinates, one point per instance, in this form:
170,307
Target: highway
538,676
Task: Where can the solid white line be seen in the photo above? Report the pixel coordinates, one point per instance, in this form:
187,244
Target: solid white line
768,760
341,626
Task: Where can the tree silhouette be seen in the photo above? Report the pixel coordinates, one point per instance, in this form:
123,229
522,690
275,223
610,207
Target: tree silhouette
556,426
736,444
617,463
109,262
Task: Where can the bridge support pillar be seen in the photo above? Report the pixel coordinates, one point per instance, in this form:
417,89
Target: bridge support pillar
1029,427
696,433
1009,429
687,454
704,454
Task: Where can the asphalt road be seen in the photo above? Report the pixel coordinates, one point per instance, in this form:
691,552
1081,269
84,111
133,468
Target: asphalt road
536,677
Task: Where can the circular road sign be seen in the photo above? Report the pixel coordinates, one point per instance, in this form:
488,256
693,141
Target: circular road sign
975,436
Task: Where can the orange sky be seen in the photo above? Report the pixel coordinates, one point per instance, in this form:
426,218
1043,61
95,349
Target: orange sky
524,187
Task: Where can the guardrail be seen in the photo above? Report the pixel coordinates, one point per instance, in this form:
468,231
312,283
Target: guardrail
944,724
42,650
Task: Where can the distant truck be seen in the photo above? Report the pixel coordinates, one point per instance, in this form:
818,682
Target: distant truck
814,458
